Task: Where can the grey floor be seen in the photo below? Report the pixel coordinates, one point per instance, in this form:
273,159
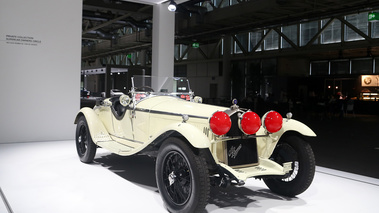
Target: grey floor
47,177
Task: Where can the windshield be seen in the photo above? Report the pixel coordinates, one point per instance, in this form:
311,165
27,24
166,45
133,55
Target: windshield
144,86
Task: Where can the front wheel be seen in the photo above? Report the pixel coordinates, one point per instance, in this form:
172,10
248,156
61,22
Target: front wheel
293,149
84,145
182,177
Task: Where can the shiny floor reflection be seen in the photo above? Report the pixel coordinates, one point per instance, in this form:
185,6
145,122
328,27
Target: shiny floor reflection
48,177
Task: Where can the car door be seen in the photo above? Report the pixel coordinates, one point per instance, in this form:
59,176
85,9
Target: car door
122,125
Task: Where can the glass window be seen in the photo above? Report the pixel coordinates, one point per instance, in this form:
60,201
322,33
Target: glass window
207,4
179,51
272,41
243,38
128,30
291,33
176,51
136,59
307,31
233,2
360,21
361,66
339,67
332,33
222,46
117,59
320,68
375,29
183,49
255,37
221,3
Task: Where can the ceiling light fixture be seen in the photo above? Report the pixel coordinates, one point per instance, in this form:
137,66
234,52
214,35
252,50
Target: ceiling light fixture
172,6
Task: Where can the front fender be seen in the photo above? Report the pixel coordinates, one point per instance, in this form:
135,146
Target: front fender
266,145
294,125
197,138
96,128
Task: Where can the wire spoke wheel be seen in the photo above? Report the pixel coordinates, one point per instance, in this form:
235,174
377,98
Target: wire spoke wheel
292,175
85,147
285,153
296,150
177,178
82,140
182,177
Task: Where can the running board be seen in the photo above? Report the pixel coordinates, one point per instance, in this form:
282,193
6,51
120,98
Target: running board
118,148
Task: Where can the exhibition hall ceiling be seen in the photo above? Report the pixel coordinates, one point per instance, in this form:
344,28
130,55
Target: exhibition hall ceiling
203,21
153,2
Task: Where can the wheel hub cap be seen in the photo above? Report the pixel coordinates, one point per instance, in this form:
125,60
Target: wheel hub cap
171,178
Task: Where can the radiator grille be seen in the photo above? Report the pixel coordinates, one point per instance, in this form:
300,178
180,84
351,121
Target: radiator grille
242,152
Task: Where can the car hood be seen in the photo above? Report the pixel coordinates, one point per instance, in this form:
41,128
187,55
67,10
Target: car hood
176,105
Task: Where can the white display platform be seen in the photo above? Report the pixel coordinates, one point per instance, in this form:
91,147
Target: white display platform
48,177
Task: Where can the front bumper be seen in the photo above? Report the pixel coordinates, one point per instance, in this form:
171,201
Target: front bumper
266,167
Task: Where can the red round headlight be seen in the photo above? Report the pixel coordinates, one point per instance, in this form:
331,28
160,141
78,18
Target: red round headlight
220,123
250,123
273,121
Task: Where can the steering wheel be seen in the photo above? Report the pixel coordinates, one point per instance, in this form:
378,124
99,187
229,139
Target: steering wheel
145,89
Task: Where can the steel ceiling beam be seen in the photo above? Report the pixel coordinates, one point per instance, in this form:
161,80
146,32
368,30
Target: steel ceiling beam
113,21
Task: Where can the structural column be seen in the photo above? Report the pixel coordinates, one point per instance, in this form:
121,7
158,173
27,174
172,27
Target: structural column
226,66
163,41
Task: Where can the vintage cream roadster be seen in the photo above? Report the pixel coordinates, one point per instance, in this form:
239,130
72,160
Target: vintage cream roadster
196,145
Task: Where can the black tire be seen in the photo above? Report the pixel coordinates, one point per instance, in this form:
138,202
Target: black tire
182,177
85,147
296,150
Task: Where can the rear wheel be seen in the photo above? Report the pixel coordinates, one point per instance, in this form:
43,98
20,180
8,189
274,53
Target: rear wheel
84,145
182,177
293,149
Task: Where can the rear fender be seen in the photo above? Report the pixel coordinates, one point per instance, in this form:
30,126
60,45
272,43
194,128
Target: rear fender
193,135
96,127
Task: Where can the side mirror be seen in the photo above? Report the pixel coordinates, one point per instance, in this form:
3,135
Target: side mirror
124,100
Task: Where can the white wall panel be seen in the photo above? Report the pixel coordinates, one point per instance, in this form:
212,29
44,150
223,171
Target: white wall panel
40,47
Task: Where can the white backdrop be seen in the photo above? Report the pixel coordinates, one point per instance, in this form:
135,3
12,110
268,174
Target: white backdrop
40,51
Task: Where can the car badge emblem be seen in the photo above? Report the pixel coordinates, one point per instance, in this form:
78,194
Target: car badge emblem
233,152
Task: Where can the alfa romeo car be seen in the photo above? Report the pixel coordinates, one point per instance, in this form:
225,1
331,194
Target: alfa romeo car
196,145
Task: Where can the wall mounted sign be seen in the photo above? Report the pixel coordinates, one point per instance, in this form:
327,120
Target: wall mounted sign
373,17
370,81
195,45
22,40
